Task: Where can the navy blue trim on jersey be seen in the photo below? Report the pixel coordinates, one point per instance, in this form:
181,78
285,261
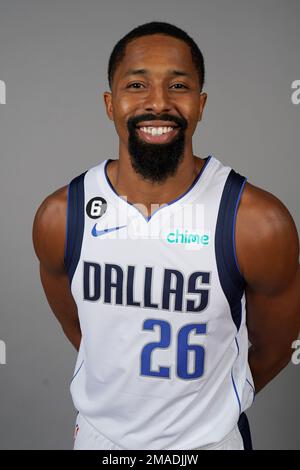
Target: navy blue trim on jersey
67,226
244,428
233,381
231,279
253,388
206,160
77,371
75,224
236,392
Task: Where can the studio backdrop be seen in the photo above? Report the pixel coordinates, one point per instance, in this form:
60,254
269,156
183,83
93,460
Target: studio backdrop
53,126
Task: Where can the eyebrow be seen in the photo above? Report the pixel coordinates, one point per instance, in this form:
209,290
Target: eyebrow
177,73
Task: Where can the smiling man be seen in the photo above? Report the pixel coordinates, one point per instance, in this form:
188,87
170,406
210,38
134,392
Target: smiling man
158,299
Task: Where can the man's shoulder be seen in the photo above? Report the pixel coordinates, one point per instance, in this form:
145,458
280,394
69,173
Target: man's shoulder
266,235
54,201
49,228
52,210
261,212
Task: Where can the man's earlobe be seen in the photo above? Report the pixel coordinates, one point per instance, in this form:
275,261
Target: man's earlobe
203,103
108,104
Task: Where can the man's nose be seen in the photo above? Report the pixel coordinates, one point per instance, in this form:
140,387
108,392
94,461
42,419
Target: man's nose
158,100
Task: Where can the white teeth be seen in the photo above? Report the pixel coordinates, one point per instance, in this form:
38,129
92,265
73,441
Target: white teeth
156,130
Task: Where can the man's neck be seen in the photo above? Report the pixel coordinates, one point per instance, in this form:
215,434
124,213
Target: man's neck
127,183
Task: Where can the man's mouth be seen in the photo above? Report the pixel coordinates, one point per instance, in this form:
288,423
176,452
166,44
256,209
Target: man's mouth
157,134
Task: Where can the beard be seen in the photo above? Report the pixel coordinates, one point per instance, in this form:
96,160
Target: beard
156,162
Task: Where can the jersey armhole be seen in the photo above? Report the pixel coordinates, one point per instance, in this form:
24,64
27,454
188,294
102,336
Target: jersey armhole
234,227
67,239
74,224
230,276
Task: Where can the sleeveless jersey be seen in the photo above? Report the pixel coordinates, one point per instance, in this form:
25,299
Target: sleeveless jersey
163,360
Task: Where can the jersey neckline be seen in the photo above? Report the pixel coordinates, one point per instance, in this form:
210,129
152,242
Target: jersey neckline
165,206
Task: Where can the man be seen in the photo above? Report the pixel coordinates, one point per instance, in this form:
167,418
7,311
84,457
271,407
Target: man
159,264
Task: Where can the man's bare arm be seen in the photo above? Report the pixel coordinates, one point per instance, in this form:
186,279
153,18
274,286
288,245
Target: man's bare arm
49,229
268,254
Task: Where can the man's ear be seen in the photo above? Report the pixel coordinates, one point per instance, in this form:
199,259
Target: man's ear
203,98
107,96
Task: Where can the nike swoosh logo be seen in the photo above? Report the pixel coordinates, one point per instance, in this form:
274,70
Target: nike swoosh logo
98,233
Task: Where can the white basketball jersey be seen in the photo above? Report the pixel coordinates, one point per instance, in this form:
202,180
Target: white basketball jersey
163,361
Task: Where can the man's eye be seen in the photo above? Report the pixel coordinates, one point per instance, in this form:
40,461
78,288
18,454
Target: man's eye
136,83
180,84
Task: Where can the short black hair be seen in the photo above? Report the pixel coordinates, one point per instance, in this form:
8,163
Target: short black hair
155,27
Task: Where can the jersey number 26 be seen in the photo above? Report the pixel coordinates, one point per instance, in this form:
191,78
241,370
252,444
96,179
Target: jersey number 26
182,353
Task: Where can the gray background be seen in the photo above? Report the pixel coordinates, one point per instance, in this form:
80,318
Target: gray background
53,58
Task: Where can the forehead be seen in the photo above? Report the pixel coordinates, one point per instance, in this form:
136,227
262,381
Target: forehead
155,52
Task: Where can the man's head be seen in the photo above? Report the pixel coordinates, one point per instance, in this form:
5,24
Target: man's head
156,74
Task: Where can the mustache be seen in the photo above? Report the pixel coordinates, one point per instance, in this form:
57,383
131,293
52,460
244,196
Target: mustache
135,120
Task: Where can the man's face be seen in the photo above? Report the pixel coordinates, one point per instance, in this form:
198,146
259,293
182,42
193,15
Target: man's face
155,103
